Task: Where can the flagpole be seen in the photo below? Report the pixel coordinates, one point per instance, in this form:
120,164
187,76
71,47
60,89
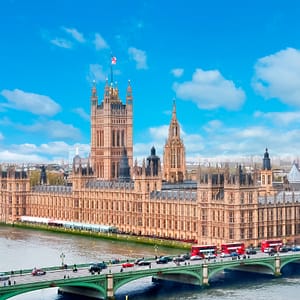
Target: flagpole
113,62
111,71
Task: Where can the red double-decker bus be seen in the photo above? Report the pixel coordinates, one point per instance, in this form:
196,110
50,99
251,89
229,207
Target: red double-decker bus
229,248
203,250
274,244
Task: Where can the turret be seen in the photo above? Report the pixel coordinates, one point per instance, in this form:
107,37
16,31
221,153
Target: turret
94,97
129,94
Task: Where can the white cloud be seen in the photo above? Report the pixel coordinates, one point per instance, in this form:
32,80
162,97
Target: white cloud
253,132
75,34
34,103
177,72
139,56
213,125
81,113
210,90
99,42
96,73
160,133
62,43
278,76
53,129
280,118
13,157
44,153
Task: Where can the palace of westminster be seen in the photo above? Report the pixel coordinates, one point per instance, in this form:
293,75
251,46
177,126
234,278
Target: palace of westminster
160,199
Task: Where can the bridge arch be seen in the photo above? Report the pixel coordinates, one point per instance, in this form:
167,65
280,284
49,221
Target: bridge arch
32,288
286,260
215,270
119,282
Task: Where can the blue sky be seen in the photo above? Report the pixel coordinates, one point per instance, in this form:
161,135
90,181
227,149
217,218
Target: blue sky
232,66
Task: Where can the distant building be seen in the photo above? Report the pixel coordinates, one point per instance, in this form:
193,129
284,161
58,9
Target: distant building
210,205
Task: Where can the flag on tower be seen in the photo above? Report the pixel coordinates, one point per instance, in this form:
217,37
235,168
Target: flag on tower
113,60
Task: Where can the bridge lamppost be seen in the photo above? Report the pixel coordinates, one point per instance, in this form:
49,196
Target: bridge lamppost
62,257
156,250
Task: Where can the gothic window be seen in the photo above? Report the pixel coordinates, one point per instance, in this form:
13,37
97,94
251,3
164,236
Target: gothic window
178,158
113,138
123,139
113,170
118,138
231,217
242,198
250,197
173,158
250,216
250,233
242,217
242,233
231,233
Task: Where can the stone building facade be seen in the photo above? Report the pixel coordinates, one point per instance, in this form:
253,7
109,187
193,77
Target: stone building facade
154,199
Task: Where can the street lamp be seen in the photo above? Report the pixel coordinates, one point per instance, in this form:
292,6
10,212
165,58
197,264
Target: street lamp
155,249
62,256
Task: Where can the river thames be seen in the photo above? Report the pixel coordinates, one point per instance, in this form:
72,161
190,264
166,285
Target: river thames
26,249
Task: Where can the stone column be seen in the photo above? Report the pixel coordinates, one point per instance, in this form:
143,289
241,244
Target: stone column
277,265
205,275
110,287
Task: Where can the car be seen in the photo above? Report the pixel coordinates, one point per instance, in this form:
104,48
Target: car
144,263
162,260
195,257
168,258
283,249
250,251
210,256
178,259
127,265
38,272
223,255
233,254
269,250
97,267
115,261
185,256
296,248
4,276
138,260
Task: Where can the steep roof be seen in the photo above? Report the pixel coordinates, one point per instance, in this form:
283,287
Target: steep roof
294,174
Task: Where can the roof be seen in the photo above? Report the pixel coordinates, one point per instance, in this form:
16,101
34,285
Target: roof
294,174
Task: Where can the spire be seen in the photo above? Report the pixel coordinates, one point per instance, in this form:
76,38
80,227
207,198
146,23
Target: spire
94,96
129,94
266,161
174,110
174,130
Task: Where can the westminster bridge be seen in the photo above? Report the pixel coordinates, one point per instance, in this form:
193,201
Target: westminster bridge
105,284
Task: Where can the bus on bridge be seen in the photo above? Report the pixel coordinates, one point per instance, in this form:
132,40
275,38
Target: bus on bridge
229,248
203,250
275,244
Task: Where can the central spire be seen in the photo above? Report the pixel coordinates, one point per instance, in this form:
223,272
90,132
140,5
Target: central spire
174,109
